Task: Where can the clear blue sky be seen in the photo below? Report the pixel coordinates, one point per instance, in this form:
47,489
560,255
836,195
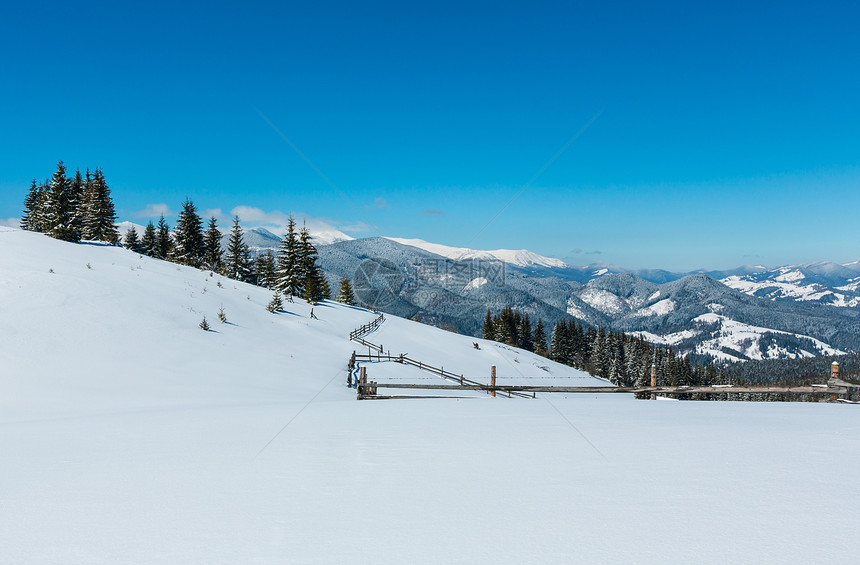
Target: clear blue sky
729,134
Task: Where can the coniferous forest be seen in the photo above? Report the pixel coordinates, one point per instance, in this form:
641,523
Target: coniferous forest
80,208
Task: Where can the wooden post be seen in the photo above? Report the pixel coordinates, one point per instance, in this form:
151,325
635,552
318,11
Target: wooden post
493,381
653,381
834,370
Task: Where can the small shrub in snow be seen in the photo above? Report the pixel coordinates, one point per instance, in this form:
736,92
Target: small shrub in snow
51,271
204,325
89,266
222,316
220,285
276,304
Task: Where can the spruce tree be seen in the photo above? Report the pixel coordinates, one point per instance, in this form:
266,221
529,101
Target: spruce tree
188,235
212,246
60,209
325,289
489,331
98,213
289,262
164,245
345,295
149,242
265,269
89,209
76,194
539,339
314,285
30,217
131,241
238,260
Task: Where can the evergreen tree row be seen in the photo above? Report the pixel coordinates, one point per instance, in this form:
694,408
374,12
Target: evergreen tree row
79,208
622,359
71,209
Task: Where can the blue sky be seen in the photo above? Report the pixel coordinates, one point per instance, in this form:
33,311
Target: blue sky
727,133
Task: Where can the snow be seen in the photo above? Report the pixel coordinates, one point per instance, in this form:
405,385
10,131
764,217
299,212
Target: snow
129,435
660,308
520,258
600,272
604,301
476,283
786,285
737,336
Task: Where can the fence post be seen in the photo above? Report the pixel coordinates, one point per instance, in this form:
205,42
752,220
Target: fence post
493,381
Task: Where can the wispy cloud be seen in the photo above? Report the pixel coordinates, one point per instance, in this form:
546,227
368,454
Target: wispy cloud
10,222
380,203
433,212
215,213
153,211
276,221
578,251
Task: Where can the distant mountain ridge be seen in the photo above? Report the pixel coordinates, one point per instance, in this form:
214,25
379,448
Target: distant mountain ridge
752,312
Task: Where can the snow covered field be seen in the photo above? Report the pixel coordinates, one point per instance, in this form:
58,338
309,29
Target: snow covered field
129,435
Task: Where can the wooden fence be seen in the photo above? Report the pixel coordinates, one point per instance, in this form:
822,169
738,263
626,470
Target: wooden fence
380,355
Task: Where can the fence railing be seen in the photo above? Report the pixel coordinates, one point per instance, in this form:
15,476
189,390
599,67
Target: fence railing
367,328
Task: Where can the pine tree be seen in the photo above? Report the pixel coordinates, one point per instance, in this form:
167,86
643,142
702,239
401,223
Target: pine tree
238,260
314,285
30,218
149,242
345,295
164,245
99,213
265,269
60,209
489,330
212,246
76,194
188,235
89,209
524,333
325,289
131,240
289,264
539,339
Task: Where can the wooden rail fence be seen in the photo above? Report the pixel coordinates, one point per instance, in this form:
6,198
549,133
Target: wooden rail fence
362,388
367,389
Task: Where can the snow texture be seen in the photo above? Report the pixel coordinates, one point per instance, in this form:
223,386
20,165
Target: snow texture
129,435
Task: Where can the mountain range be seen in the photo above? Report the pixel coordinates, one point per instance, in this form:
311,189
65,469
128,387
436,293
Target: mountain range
752,312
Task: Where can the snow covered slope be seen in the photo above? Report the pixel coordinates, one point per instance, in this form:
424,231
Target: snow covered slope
129,435
520,258
825,283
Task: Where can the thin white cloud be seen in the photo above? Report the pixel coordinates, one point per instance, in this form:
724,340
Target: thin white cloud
276,222
380,203
154,211
10,222
433,212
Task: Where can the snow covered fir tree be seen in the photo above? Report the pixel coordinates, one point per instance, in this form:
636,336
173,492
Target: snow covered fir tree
71,209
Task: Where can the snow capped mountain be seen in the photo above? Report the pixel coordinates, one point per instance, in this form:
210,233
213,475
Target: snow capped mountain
724,339
519,258
699,315
822,282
